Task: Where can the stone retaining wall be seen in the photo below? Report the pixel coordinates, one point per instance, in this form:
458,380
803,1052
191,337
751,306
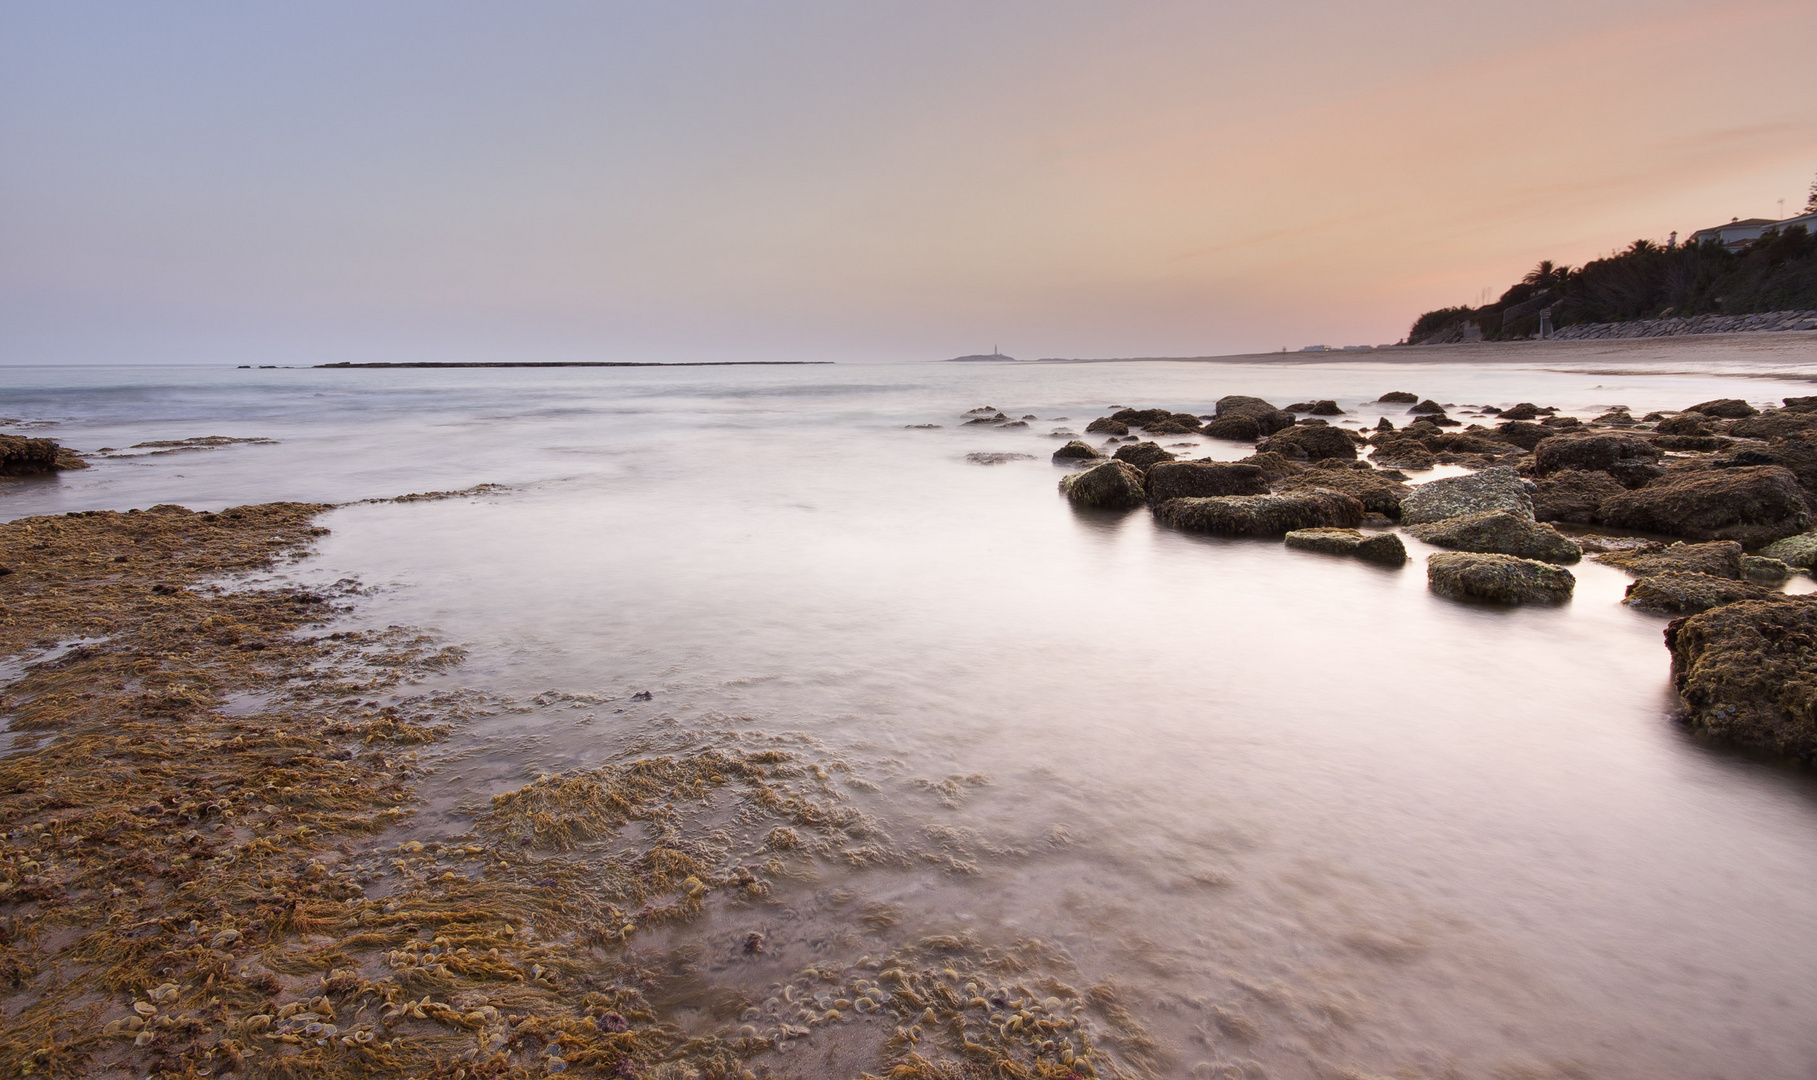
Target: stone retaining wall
1697,324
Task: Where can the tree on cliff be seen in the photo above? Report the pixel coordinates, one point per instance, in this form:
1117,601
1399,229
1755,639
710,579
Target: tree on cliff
1546,275
1810,204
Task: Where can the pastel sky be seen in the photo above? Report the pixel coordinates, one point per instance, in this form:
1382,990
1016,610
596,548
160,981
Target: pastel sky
256,182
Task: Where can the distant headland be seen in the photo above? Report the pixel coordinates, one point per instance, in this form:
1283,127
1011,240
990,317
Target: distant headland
1757,274
994,354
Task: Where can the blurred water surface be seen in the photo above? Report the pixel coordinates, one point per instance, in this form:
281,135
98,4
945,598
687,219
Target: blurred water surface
1307,816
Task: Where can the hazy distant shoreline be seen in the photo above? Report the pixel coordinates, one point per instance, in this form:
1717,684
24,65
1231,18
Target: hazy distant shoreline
580,363
1792,346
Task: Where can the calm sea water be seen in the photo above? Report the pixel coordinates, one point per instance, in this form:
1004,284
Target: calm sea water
1309,817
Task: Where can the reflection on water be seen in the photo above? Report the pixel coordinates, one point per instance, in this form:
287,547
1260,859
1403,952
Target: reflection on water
1302,815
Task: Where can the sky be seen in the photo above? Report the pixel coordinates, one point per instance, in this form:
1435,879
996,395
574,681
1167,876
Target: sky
258,182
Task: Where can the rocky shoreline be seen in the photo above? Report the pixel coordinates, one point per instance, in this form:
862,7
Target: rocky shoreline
1709,508
208,865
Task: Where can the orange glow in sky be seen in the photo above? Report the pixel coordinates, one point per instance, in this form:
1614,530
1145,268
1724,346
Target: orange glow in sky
225,182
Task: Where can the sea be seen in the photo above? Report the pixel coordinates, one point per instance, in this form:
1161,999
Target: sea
1303,817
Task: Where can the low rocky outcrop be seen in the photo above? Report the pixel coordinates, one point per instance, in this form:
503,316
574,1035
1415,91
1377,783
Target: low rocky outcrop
1795,453
1142,417
1748,673
1525,410
1685,424
1428,407
1310,444
1727,408
1500,531
1104,425
1234,428
1719,558
20,456
1526,436
1799,551
1142,454
1076,451
1573,495
1383,548
1403,453
1398,397
1261,515
1202,479
1499,488
1631,460
1755,505
1268,418
1702,444
1274,466
1768,425
1114,485
1763,569
1498,579
1317,408
1378,494
1687,594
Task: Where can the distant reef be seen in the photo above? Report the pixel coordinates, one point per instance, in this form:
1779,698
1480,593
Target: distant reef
1768,284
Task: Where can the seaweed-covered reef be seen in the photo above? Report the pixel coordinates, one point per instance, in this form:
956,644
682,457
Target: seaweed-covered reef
208,865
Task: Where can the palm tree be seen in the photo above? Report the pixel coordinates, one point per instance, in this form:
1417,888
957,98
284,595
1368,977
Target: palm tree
1546,274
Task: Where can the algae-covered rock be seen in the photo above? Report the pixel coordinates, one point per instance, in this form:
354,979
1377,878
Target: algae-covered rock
1686,424
1268,418
1719,558
20,456
1755,505
1524,410
1261,515
1310,444
1114,485
1687,594
1727,408
1765,426
1748,672
1500,579
1499,488
1631,460
1403,453
1573,495
1274,466
1378,494
1501,531
1104,425
1799,551
1142,454
1326,407
1234,428
1525,436
1076,451
1383,548
1761,568
1398,397
1198,479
